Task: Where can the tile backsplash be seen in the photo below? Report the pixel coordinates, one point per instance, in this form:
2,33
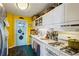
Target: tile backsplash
65,35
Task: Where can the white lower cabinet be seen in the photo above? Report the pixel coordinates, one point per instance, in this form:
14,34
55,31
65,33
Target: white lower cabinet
43,51
42,48
36,46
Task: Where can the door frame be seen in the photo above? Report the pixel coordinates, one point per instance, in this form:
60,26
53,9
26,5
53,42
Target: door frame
15,31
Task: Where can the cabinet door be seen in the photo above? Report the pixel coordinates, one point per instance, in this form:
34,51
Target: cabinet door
71,12
58,14
47,19
55,16
42,50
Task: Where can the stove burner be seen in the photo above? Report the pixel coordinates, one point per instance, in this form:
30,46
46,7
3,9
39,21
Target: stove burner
69,50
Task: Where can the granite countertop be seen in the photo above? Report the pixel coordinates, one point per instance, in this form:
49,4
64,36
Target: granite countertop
47,41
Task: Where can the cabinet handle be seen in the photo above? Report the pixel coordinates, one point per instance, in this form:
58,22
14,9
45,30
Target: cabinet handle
69,25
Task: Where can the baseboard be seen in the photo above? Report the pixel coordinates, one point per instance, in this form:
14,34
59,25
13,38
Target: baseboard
11,47
15,46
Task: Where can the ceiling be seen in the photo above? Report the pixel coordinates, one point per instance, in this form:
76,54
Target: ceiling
32,10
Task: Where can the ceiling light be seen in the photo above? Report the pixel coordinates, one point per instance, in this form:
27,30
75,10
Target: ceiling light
22,6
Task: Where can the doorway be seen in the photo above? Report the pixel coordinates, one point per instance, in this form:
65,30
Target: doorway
21,32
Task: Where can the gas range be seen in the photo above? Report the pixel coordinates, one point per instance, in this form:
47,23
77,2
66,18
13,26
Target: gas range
69,51
64,49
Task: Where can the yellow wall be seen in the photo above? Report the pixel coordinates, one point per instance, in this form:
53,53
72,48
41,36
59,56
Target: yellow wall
11,19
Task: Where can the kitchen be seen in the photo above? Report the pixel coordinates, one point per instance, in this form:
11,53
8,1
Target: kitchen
41,29
58,32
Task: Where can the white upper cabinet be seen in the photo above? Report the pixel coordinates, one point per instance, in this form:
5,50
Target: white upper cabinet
58,15
71,12
55,16
61,14
47,19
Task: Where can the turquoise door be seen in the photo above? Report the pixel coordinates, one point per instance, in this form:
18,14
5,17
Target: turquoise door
21,32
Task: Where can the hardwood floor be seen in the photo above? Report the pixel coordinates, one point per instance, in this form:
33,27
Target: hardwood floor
25,50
